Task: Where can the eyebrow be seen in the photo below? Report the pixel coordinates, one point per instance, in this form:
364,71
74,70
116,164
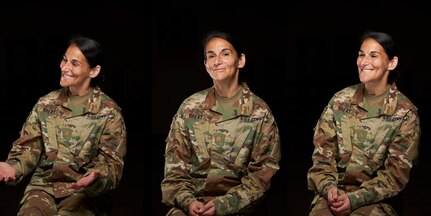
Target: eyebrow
225,49
378,52
72,60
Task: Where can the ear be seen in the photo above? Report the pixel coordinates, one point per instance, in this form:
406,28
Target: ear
241,62
393,63
95,71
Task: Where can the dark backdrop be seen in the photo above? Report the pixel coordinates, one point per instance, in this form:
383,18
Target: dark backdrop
33,39
298,55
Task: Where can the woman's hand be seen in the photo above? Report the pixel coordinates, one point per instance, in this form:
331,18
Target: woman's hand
86,181
7,172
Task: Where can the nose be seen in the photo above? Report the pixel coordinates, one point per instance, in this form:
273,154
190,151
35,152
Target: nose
364,60
64,65
217,60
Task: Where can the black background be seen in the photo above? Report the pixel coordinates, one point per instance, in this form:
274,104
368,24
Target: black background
298,55
33,39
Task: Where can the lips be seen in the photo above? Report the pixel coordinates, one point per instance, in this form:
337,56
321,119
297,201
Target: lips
219,70
67,76
366,70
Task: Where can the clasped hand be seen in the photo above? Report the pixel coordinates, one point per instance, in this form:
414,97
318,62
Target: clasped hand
338,203
197,208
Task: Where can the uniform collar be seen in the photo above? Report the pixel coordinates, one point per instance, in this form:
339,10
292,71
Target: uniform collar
389,104
94,102
245,102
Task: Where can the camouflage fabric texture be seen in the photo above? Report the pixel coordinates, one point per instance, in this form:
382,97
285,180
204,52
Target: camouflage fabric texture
61,148
229,160
321,208
77,204
368,157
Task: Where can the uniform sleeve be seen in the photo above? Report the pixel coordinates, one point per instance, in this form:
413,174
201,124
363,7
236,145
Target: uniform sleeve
389,181
263,165
177,186
110,161
26,150
323,173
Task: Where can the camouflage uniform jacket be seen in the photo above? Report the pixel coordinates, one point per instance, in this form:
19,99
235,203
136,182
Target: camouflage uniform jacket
231,159
369,157
61,148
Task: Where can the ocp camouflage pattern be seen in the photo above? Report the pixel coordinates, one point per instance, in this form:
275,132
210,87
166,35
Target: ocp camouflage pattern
62,148
230,159
369,157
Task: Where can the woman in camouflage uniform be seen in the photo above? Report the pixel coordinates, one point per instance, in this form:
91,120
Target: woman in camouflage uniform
366,139
74,140
223,147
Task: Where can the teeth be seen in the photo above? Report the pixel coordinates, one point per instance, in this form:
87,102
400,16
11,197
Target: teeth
66,77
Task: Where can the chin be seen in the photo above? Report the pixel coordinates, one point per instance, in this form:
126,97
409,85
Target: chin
363,79
64,85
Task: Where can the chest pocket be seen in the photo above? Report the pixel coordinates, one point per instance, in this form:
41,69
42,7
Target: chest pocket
374,136
229,141
238,141
241,150
80,136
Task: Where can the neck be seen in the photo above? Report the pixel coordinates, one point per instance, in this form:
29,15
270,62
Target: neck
226,90
376,89
79,92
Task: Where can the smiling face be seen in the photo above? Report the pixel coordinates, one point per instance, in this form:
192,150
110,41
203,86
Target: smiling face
76,73
374,64
222,61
